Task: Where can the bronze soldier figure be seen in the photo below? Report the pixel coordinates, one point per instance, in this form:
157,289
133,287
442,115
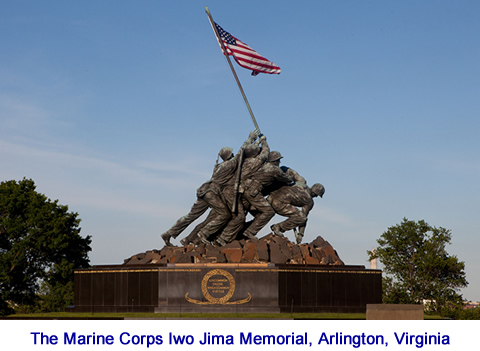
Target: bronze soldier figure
266,175
286,200
213,193
254,157
208,195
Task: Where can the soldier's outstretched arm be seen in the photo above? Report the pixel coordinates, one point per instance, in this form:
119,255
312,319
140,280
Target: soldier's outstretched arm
260,140
297,178
265,149
283,177
251,139
308,207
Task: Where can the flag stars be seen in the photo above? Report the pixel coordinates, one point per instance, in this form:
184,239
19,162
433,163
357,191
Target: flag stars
225,35
244,55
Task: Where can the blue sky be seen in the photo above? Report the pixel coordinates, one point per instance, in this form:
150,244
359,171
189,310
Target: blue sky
118,109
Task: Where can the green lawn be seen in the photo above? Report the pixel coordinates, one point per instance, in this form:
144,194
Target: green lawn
68,315
160,316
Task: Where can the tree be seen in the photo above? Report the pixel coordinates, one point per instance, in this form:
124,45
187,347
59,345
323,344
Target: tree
40,246
418,266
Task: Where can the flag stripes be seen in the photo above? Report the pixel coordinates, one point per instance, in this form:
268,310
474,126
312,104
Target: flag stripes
245,56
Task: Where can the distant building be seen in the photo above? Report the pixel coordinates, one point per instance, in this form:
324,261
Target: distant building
470,305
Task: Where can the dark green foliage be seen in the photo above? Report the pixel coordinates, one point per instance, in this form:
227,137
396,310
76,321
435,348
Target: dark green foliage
40,246
471,314
461,313
418,266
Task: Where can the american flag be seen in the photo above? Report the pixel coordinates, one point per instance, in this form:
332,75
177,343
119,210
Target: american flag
245,55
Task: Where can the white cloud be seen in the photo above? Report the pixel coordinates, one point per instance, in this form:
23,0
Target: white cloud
20,116
90,181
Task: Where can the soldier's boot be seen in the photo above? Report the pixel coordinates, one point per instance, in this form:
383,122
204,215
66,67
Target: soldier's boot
202,238
276,230
166,237
298,236
219,242
195,241
248,234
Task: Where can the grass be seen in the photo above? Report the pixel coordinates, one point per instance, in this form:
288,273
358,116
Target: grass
173,316
160,316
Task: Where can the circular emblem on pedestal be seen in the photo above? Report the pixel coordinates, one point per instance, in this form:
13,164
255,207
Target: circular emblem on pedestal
218,286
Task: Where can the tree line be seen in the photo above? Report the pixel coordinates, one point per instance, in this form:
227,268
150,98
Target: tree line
40,247
418,269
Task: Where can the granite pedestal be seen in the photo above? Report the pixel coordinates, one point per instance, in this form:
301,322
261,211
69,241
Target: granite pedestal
214,287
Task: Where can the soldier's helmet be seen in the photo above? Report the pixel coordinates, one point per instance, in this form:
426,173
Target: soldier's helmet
225,153
251,150
274,156
318,189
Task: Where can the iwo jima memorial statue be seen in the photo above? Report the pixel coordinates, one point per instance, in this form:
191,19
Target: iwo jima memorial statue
222,266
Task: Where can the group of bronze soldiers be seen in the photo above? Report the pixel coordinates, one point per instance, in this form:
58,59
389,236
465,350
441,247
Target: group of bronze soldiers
251,181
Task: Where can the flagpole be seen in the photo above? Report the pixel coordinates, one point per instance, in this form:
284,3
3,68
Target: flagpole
257,128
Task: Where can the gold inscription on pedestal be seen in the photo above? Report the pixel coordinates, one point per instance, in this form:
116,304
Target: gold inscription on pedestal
218,287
